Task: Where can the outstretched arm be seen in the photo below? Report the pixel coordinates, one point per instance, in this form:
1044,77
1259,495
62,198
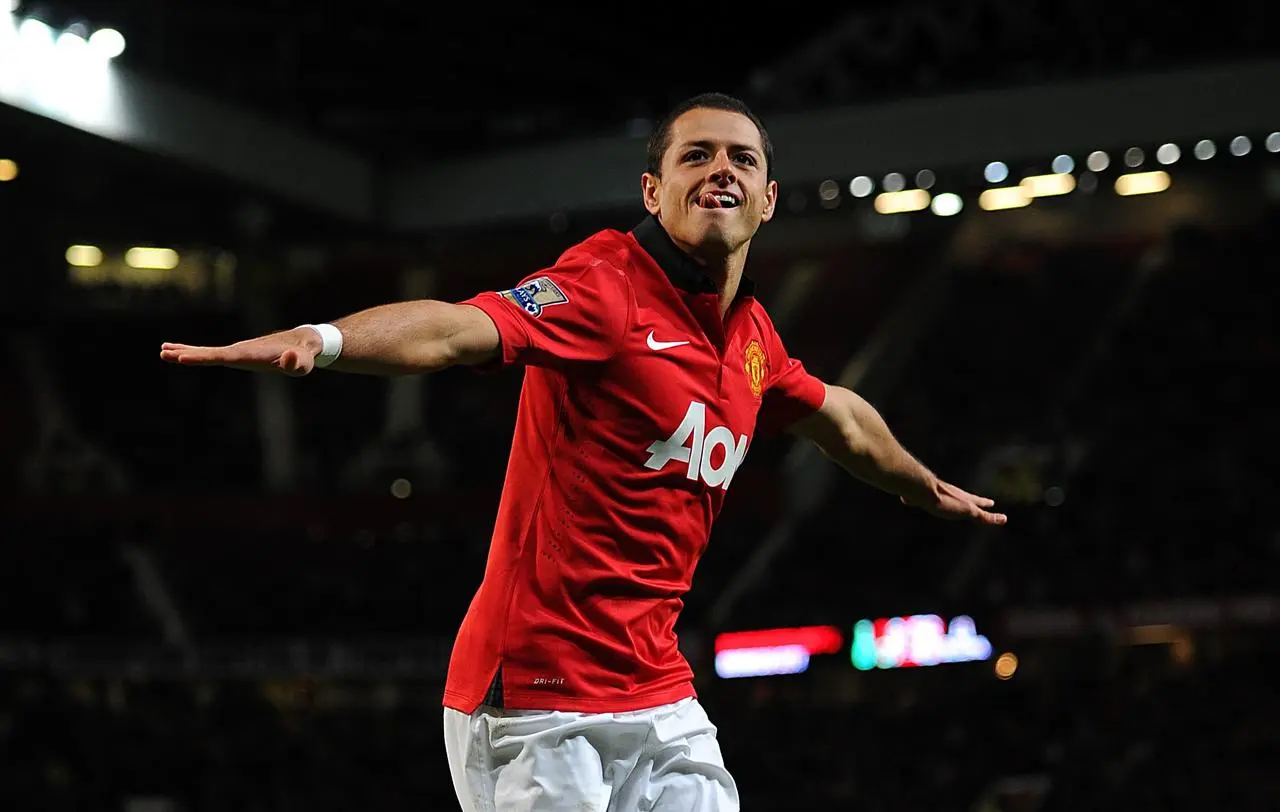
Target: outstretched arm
392,339
854,435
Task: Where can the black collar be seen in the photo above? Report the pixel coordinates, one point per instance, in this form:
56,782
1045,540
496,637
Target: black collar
680,268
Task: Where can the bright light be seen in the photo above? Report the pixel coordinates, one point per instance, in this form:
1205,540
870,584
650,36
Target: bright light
1240,145
861,186
1005,197
8,170
401,488
84,256
158,259
1134,156
1063,163
1168,154
1048,185
917,640
1098,160
995,172
1273,142
107,42
1142,183
71,45
947,204
925,178
35,35
13,5
1205,149
814,639
761,662
899,202
766,652
894,182
1006,664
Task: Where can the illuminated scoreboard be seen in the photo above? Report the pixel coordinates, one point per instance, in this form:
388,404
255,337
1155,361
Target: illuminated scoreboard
901,642
897,642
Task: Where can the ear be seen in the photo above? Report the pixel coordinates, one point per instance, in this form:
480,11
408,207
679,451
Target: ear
770,200
651,189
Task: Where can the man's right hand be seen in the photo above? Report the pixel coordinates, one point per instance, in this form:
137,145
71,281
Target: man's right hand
292,352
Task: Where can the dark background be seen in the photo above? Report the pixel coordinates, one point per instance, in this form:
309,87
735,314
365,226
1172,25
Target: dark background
219,591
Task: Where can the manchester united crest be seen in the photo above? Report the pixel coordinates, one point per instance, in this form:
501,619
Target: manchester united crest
757,367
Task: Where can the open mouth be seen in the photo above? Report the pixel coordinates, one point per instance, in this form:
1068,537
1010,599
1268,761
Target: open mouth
719,200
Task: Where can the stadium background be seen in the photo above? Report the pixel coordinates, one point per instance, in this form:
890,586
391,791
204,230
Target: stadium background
220,591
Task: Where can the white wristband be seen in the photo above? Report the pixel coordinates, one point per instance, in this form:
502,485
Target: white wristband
331,344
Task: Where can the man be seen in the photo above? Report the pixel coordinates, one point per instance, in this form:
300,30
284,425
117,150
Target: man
648,366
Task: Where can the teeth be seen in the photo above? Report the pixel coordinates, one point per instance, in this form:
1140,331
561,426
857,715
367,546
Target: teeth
727,200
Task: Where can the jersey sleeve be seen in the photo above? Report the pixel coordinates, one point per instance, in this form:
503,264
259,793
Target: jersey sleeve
575,312
791,391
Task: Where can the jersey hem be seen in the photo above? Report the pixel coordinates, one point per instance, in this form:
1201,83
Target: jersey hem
530,701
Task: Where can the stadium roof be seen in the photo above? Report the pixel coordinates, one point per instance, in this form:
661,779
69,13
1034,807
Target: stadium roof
399,79
411,77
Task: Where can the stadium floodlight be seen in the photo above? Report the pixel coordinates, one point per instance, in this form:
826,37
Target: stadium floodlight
156,259
1005,197
1142,183
84,256
108,43
71,44
901,202
1059,183
947,204
35,35
861,186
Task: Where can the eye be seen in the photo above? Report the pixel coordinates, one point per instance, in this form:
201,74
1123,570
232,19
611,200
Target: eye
695,155
746,158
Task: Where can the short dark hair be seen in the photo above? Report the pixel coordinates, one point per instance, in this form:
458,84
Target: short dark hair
660,138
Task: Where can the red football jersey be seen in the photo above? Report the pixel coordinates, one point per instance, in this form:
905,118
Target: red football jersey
638,405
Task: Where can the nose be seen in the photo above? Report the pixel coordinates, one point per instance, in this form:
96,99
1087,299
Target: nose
722,169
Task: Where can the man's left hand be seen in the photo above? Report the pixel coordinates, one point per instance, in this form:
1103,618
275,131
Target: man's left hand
949,502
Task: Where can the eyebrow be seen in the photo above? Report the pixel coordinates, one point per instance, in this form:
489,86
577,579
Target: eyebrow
710,146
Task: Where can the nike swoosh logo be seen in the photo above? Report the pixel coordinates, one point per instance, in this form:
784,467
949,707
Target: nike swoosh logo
662,345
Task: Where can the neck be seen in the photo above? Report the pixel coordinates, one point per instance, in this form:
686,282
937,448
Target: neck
725,271
727,276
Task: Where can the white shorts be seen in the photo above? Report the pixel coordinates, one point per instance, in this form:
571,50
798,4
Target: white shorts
663,759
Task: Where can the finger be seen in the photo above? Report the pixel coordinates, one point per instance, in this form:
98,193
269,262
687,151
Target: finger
195,356
992,518
172,356
963,508
170,350
980,501
973,498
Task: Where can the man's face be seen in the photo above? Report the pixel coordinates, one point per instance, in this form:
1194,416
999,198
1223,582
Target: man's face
714,190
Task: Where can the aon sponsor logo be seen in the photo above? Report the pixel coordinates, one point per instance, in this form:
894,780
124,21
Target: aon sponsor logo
694,446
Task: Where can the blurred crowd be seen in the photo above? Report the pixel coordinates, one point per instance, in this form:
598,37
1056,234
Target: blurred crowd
1103,392
1129,733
